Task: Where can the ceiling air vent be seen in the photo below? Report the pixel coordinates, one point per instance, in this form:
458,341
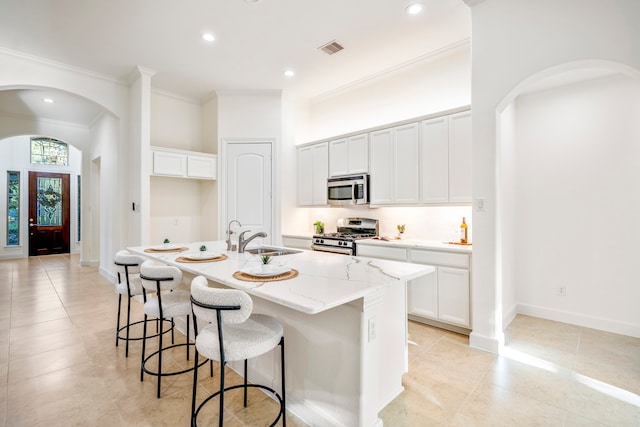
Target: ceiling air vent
331,47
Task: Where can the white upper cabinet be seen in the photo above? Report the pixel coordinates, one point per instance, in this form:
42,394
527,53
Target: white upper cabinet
394,165
434,161
183,164
460,159
349,155
445,159
313,166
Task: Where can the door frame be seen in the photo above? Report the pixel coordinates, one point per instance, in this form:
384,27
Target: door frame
222,187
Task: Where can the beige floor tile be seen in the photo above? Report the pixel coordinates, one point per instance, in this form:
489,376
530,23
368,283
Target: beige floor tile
497,407
68,371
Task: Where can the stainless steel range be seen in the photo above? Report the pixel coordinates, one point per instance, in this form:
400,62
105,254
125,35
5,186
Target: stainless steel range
344,241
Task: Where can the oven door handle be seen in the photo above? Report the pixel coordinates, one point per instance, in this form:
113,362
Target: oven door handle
333,250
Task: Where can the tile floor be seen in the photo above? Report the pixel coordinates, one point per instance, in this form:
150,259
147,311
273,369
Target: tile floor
59,367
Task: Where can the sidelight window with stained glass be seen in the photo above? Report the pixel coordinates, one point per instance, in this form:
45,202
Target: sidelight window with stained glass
49,206
13,208
49,151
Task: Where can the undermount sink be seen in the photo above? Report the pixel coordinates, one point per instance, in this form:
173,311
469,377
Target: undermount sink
266,250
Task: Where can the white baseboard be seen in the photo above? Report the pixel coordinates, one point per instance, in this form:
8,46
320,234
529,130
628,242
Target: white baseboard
580,319
483,342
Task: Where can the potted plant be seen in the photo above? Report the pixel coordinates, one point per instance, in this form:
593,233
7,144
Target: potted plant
401,228
319,226
266,259
165,242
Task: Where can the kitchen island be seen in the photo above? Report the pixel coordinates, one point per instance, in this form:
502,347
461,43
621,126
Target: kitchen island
345,326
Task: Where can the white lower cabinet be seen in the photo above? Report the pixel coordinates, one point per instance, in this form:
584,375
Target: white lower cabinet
442,297
296,242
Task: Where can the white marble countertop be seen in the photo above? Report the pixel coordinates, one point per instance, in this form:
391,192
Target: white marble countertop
418,244
324,280
405,243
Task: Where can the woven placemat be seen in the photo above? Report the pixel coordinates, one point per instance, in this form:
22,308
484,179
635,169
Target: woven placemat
153,250
212,259
459,243
251,278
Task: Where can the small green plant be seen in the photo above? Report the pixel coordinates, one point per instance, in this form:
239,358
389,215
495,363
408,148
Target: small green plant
166,241
401,228
266,259
319,225
203,248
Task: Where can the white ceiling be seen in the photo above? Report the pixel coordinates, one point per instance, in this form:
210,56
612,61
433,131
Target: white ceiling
256,40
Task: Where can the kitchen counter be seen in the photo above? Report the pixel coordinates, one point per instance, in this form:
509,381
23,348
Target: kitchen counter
345,327
324,280
418,244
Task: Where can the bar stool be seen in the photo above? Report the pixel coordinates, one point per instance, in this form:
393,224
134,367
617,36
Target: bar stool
127,265
244,336
169,302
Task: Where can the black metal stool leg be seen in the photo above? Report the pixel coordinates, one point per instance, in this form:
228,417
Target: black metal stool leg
284,405
118,320
144,342
126,345
245,383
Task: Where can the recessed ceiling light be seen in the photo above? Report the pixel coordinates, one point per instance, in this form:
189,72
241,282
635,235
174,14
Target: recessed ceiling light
289,73
252,1
208,37
414,8
48,100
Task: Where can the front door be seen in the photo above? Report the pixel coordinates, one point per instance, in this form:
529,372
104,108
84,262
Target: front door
249,186
48,213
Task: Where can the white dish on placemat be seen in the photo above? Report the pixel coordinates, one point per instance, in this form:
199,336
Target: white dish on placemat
166,247
270,271
199,256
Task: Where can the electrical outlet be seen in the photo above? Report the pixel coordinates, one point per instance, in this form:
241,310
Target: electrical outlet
561,291
372,329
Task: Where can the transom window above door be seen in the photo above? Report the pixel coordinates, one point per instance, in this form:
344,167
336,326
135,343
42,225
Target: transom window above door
49,151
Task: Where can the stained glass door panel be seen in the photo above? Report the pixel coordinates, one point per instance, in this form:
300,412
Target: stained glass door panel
48,213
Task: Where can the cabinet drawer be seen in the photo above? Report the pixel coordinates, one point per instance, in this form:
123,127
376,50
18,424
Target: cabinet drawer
439,258
383,252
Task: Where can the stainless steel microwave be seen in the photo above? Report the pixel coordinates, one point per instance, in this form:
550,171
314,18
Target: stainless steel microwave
348,190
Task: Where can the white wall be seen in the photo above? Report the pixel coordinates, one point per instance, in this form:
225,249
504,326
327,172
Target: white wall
513,41
440,84
181,209
251,116
578,152
16,157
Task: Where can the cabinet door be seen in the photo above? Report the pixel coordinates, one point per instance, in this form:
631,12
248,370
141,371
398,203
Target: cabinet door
359,154
434,161
460,158
339,157
305,176
381,165
422,296
453,295
405,164
201,167
170,164
319,176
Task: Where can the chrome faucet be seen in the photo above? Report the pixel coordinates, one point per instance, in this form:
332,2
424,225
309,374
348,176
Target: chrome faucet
242,243
229,233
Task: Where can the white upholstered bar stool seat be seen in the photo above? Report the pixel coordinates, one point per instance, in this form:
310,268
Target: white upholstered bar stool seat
232,333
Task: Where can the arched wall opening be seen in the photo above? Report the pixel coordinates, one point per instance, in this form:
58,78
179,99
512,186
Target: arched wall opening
568,142
96,139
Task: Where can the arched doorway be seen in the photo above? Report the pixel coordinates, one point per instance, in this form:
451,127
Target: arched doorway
568,152
76,121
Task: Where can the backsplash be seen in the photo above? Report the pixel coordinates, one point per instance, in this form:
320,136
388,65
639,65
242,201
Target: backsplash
427,223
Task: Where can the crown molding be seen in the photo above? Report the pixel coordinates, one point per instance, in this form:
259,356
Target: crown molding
60,65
